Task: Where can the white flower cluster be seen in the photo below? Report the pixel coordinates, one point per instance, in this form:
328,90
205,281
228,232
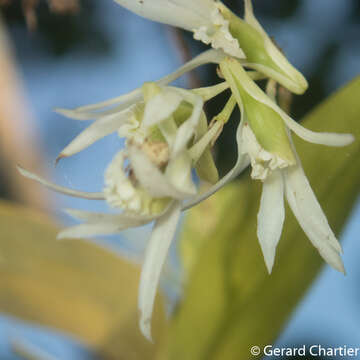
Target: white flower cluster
167,137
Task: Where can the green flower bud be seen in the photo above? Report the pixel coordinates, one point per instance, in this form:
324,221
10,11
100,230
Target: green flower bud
261,53
266,124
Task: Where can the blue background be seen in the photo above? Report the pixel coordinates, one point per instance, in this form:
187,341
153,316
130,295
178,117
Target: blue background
142,51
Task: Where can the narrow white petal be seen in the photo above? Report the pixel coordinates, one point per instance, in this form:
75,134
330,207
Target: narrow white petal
151,178
206,57
209,92
73,114
94,111
88,230
271,216
61,189
173,12
188,128
96,131
329,139
93,115
122,218
103,223
160,107
178,172
125,100
156,252
310,216
97,228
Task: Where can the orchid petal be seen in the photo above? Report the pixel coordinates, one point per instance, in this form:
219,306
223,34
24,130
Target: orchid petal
124,217
61,189
206,57
85,112
321,138
104,224
178,172
88,111
94,229
209,92
160,107
202,17
156,252
151,178
271,216
96,131
186,14
188,128
310,216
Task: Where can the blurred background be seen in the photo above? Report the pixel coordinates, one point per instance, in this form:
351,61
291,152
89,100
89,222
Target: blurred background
69,53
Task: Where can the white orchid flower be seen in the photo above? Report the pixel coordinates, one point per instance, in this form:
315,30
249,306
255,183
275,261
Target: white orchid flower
264,138
119,113
202,17
213,23
150,179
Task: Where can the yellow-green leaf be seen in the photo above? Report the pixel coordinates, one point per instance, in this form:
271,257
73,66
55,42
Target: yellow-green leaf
74,286
230,302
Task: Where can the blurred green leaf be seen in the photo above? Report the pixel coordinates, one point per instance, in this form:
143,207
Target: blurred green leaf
74,286
230,302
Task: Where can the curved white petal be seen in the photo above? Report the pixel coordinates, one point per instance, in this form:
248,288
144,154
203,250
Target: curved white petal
93,229
202,17
94,111
310,216
188,128
329,139
206,57
61,189
271,216
186,14
160,107
96,131
122,218
103,223
209,92
151,178
178,172
156,252
88,112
